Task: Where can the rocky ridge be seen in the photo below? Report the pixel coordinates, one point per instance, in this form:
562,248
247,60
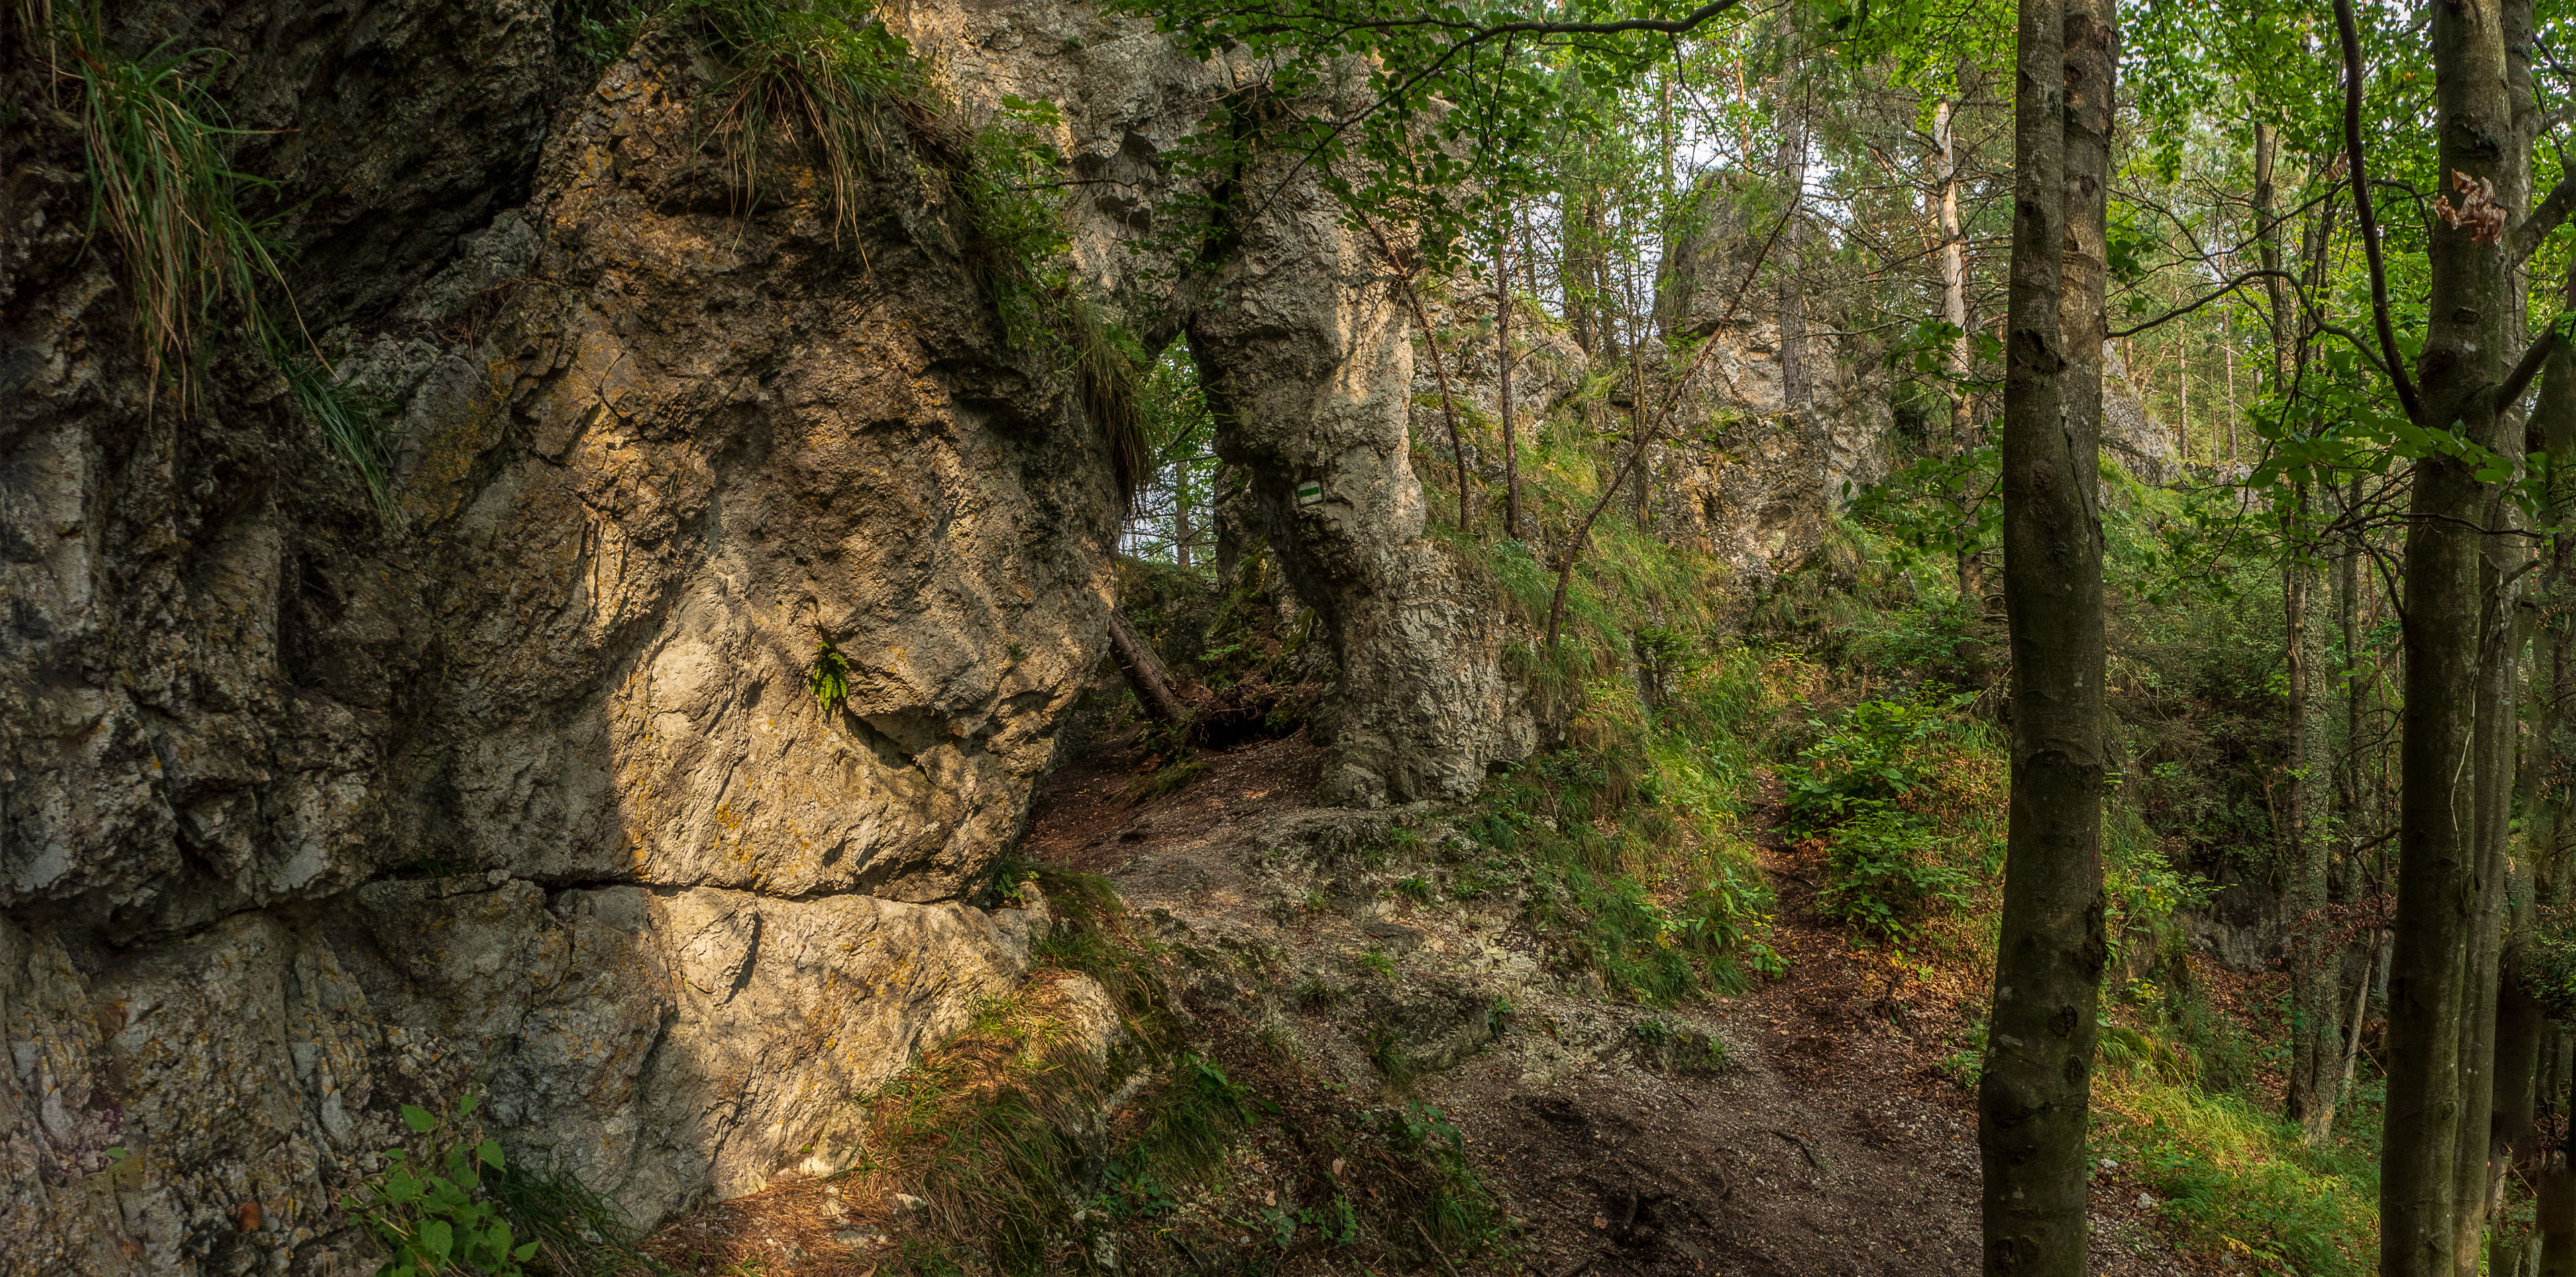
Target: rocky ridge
307,812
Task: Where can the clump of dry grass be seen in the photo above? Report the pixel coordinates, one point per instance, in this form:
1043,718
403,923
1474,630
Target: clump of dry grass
164,189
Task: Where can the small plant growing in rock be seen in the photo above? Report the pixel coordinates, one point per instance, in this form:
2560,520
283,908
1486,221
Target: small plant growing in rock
1416,889
829,680
438,1218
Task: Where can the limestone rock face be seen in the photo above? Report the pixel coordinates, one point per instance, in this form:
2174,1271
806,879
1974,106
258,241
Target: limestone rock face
2130,436
659,1045
308,812
1314,384
1746,474
304,816
1306,356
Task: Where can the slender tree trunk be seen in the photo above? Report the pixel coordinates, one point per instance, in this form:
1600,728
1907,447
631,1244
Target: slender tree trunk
2033,1099
1503,361
2316,967
2557,1216
2267,231
1954,311
2553,427
2370,963
2440,907
1448,408
2519,1024
1797,376
1181,520
2487,1054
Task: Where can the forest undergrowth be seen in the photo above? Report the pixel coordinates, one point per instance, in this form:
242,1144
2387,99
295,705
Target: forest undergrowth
1849,711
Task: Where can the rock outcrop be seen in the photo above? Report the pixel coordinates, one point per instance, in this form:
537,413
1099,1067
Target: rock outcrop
307,812
1750,475
306,819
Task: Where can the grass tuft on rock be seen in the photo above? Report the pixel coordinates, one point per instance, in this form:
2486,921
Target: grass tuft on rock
163,188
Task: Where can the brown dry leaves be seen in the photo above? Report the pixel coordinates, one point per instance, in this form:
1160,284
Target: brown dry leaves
2477,212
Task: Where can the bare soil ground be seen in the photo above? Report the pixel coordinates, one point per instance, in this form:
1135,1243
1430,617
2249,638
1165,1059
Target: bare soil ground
1833,1142
1806,1128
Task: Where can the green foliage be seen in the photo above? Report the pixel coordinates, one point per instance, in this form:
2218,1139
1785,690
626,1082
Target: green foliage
438,1218
353,424
163,188
1587,885
828,680
1872,759
2229,1174
2549,960
1883,874
1458,1211
1863,788
576,1232
1433,121
821,70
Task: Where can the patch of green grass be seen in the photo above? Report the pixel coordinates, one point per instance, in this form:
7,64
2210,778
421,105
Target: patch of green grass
163,187
577,1232
1377,959
1587,887
1166,780
2234,1178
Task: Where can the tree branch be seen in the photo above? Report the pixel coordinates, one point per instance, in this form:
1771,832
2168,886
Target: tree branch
2395,366
2221,291
2519,379
1663,417
2544,218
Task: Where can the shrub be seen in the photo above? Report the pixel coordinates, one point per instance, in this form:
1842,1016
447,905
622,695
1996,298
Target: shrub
1878,789
437,1217
1884,874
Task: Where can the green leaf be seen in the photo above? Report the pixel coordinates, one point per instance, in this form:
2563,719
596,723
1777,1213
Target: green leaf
419,1119
465,1106
525,1253
490,1151
436,1239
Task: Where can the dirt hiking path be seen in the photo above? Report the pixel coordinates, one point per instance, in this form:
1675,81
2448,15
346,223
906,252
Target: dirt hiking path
1830,1143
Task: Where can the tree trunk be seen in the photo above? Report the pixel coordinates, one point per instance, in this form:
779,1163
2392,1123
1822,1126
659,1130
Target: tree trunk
2439,908
2267,232
2553,429
1797,377
2316,967
2033,1099
1448,408
2519,1024
1144,672
1503,362
2557,1216
1954,311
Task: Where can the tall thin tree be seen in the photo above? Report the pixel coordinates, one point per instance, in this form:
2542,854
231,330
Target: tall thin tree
2033,1100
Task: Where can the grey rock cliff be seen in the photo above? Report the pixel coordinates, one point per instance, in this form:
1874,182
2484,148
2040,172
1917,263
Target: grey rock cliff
304,816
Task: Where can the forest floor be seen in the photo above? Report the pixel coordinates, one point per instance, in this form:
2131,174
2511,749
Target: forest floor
1814,1125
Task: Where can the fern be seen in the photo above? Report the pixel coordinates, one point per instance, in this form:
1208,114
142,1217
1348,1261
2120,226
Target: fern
829,679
